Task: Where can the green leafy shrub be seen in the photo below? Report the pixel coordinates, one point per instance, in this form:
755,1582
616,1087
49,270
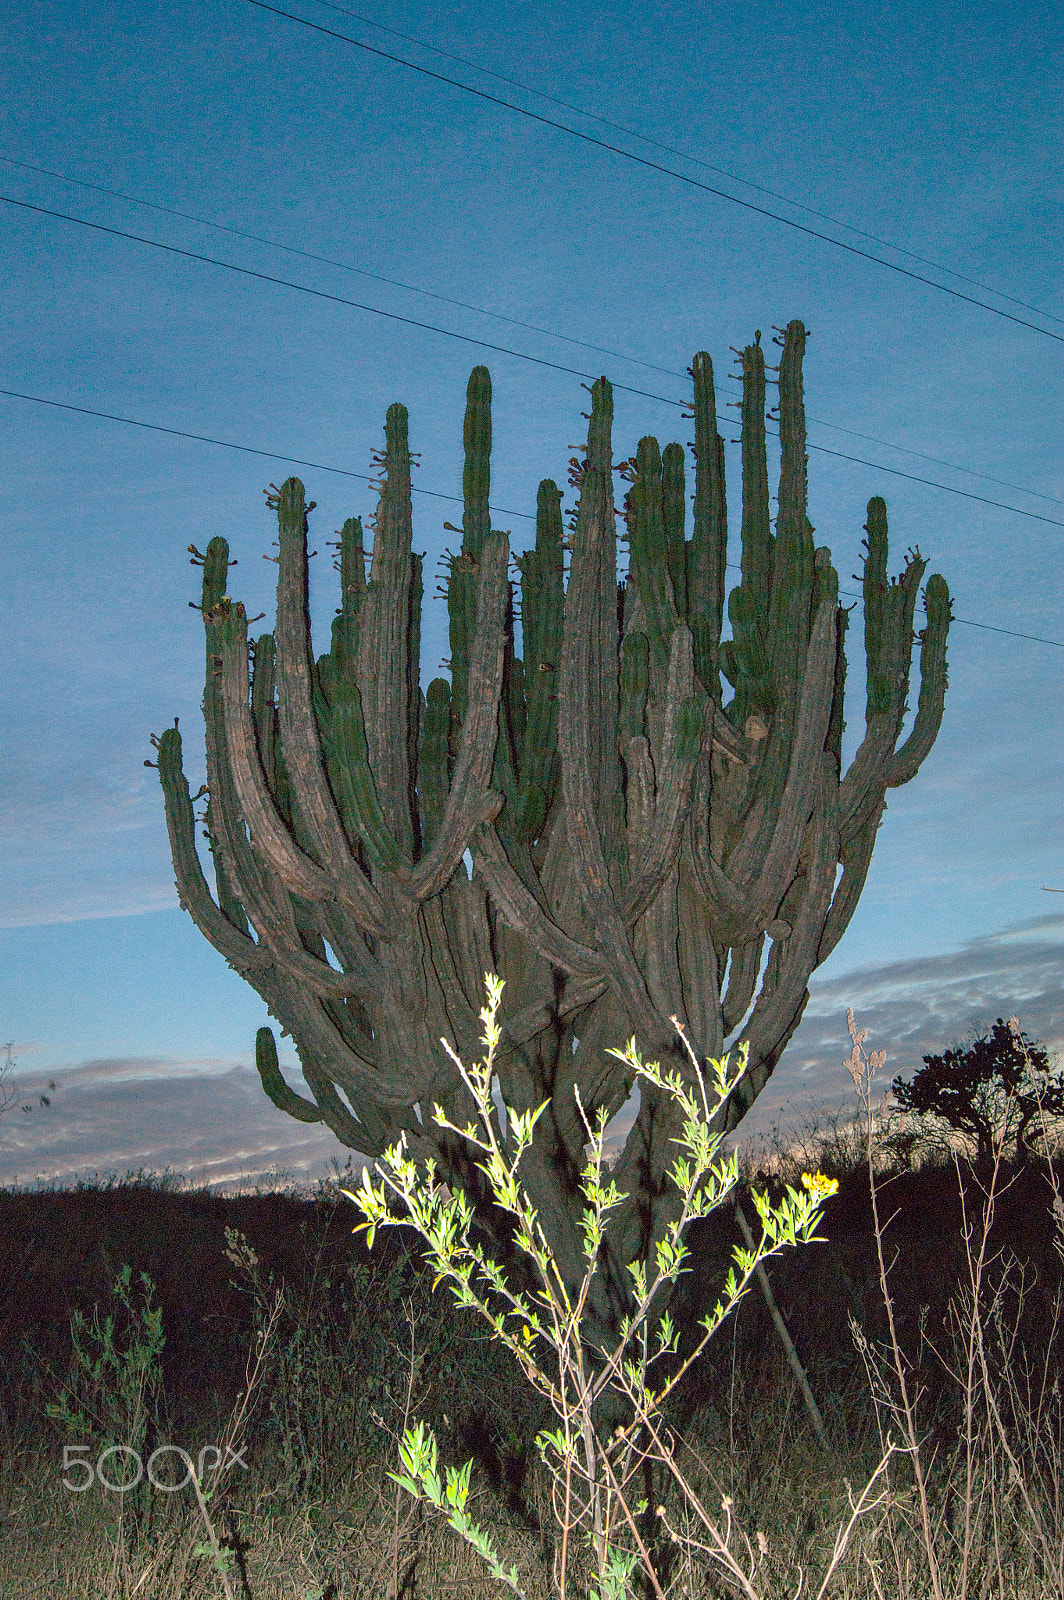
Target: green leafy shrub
595,1470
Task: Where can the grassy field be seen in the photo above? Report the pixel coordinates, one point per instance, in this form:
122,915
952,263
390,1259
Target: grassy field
259,1325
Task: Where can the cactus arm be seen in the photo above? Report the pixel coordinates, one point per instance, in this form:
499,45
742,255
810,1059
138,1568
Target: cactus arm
639,798
295,868
447,965
299,732
384,645
635,686
745,897
763,863
595,548
263,711
415,700
375,1130
793,559
261,892
673,512
933,680
542,611
432,759
880,614
650,551
521,910
889,608
473,941
709,543
239,868
476,525
784,992
746,657
352,580
284,1098
685,722
367,1083
725,900
721,898
193,893
228,855
855,854
577,995
353,781
743,972
376,1127
699,966
757,541
470,798
725,740
661,925
238,864
581,823
631,737
251,960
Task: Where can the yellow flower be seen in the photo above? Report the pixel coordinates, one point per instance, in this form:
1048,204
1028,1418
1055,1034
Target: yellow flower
819,1186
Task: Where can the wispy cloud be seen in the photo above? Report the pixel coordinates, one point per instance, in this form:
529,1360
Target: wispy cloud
913,1008
209,1119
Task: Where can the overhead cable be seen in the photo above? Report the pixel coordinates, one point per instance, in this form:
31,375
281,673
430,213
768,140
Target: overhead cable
515,322
436,494
669,149
653,166
484,344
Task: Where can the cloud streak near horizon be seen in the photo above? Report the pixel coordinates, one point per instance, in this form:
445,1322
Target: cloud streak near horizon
210,1120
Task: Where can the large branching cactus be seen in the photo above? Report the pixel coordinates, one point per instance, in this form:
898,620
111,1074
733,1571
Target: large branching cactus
642,853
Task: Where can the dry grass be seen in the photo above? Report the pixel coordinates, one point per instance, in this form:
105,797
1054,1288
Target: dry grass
959,1367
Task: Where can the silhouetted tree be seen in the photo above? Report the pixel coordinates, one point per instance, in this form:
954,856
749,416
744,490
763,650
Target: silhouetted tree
991,1090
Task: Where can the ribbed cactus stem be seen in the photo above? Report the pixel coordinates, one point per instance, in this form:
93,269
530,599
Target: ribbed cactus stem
653,561
215,573
793,586
674,511
708,550
432,762
476,524
284,1098
388,675
352,565
640,854
635,684
757,543
476,475
542,605
933,682
876,621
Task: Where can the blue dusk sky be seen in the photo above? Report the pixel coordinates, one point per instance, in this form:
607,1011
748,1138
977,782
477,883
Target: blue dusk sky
887,173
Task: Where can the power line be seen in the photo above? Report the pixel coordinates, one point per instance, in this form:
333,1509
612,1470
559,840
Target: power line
938,461
322,294
246,449
633,133
617,355
362,272
654,166
436,494
484,344
930,482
